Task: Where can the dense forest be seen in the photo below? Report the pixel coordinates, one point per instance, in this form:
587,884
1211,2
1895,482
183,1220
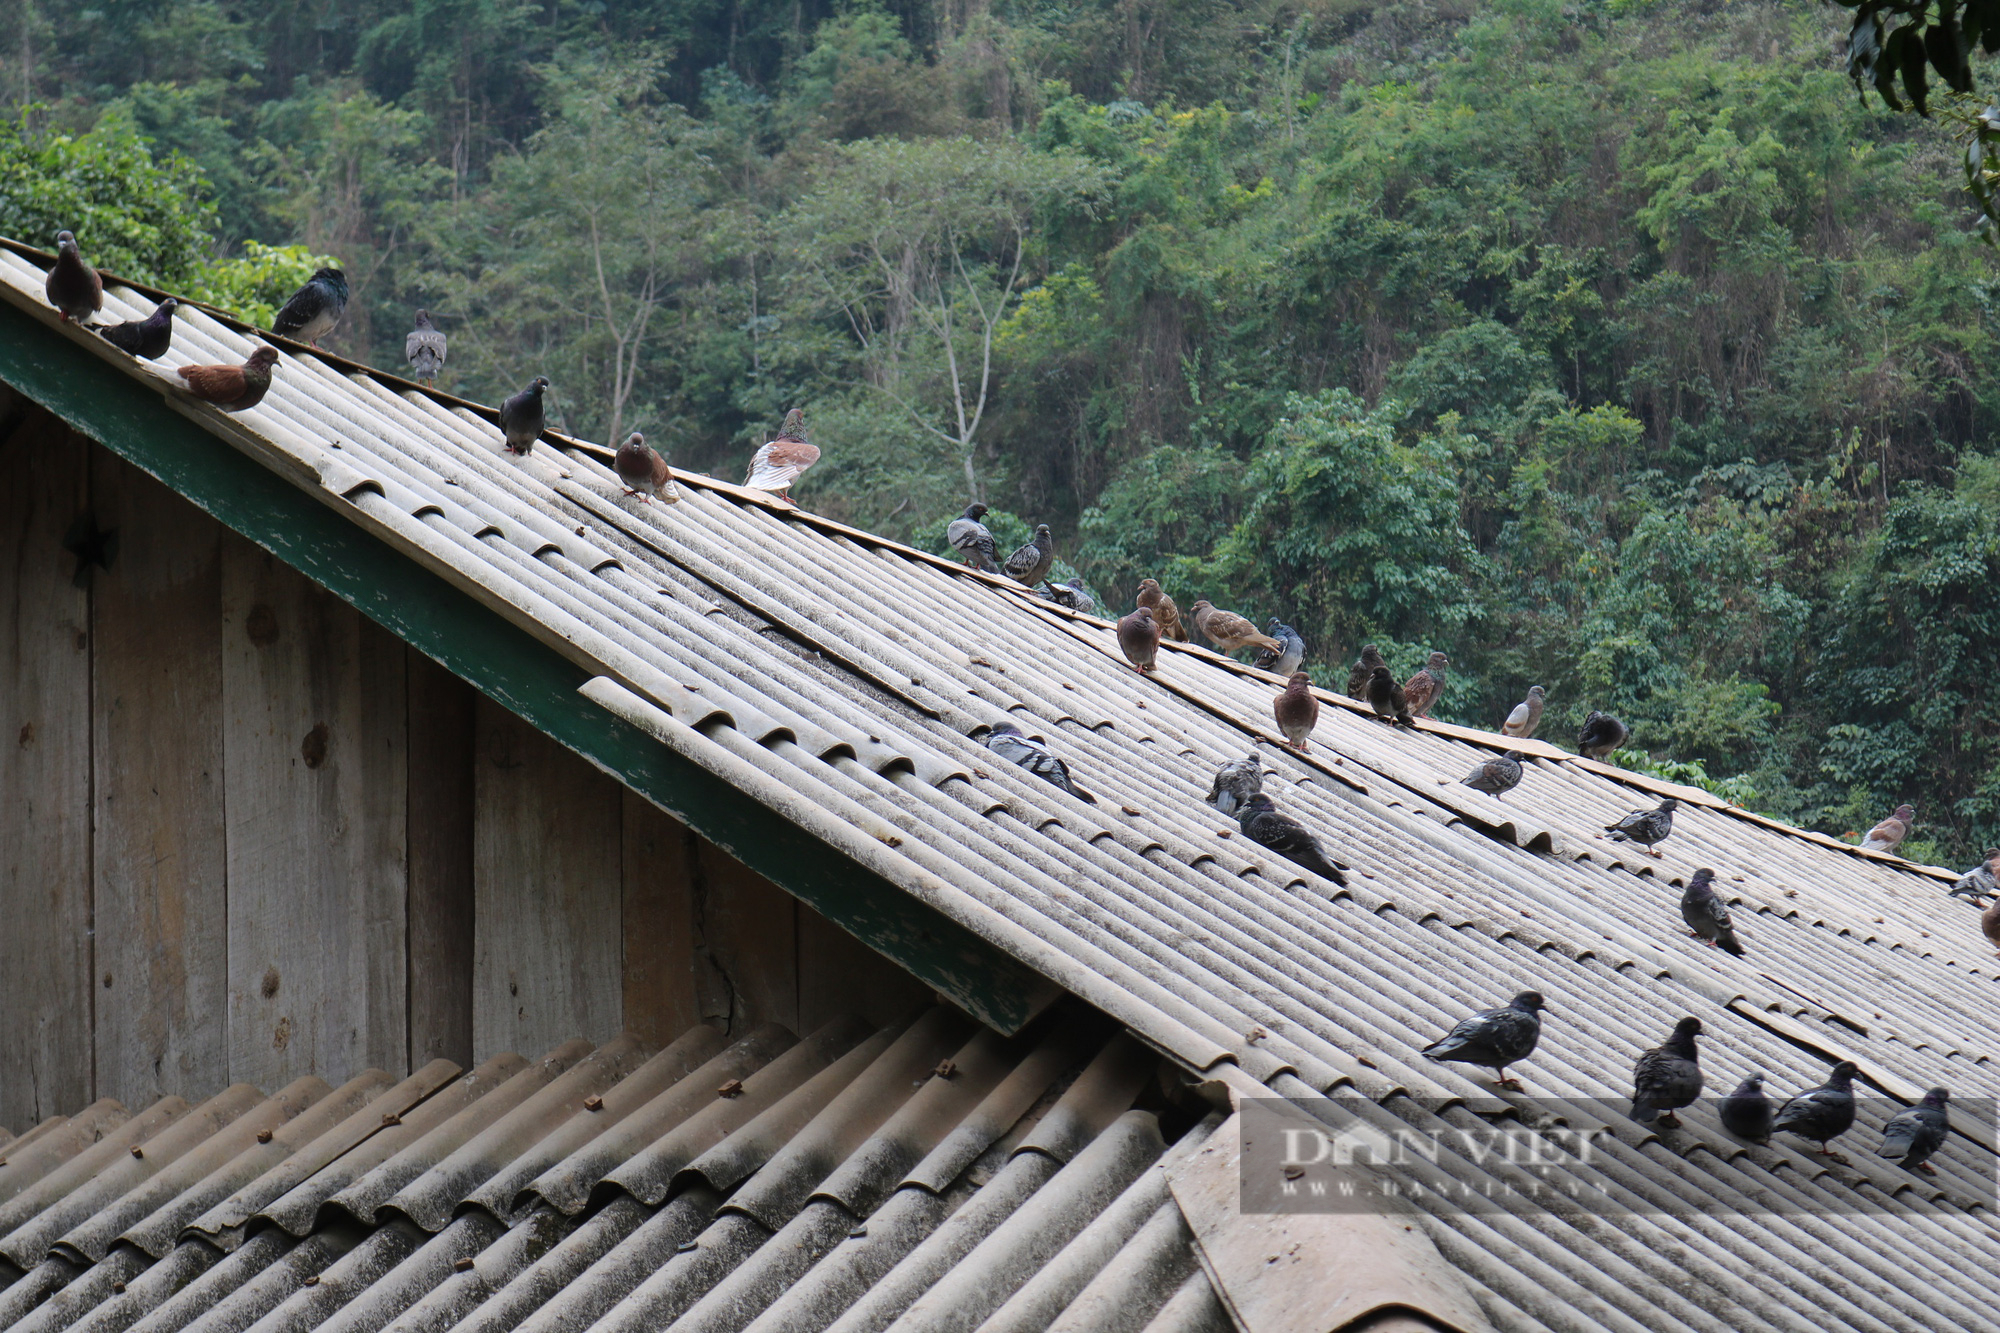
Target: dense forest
1613,346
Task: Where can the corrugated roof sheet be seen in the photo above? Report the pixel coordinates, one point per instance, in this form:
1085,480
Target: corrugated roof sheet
841,679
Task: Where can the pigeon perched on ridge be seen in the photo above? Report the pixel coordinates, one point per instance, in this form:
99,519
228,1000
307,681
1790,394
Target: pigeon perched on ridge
314,309
778,464
1165,613
1982,881
1229,631
1601,734
1139,639
970,538
1281,661
1747,1112
523,418
1031,563
1071,595
1427,686
1989,926
1494,1038
1648,828
1912,1136
1667,1077
1235,783
233,388
1824,1113
1360,673
644,472
1527,715
1888,835
1501,773
424,349
73,286
1269,827
1707,915
147,338
1296,710
1017,747
1385,696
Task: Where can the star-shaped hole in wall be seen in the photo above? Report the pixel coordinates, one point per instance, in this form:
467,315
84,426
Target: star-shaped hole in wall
91,545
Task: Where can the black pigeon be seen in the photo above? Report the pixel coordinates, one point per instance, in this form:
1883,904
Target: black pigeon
1646,827
1362,671
1707,915
522,419
1667,1077
1385,696
1746,1112
1264,824
1601,734
1284,660
969,537
1031,563
1235,783
315,308
1824,1113
1982,881
1495,1038
1502,773
1071,595
1912,1136
1016,747
73,286
424,349
146,338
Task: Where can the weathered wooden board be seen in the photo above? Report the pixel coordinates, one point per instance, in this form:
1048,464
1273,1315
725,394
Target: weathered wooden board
158,863
314,735
659,994
44,775
546,904
838,974
442,716
746,944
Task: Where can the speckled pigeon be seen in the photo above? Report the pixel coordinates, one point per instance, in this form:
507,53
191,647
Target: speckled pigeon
233,388
1166,614
1667,1077
644,472
1071,595
1235,783
147,338
1296,710
523,418
1747,1112
1427,686
1912,1136
1031,563
1283,661
1888,835
73,286
1648,828
315,308
778,464
1016,747
424,349
970,538
1982,881
1494,1038
1527,715
1989,926
1227,630
1362,671
1601,734
1501,773
1267,826
1707,915
1385,696
1824,1113
1139,639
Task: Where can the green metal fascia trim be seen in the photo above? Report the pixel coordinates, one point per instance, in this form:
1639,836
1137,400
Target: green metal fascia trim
509,665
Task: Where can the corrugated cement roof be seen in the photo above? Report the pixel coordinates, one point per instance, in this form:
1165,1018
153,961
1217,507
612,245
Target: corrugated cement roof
841,679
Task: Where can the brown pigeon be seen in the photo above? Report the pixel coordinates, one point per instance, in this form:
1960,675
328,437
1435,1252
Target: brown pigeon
1385,696
1297,710
1888,835
644,472
1527,715
74,287
1139,638
1989,925
1358,674
233,388
1165,613
1229,631
781,462
1423,689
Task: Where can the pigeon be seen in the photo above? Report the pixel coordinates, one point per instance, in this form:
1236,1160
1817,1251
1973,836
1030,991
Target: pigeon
1646,827
1667,1077
233,388
1071,595
1281,661
1296,710
1824,1113
74,287
1989,926
1385,696
779,463
1502,773
1235,783
1139,639
1527,715
522,419
1164,611
1601,734
969,537
1016,747
1031,563
1494,1038
1229,631
1359,674
146,338
1982,881
1707,915
1267,826
1746,1112
1888,835
644,472
315,308
1912,1136
424,349
1424,688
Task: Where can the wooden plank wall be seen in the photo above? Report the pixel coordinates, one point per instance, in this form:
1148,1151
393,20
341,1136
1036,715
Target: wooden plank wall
245,835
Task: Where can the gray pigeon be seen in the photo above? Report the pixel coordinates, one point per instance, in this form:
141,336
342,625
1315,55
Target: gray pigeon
1707,915
315,308
1283,660
1264,824
1982,881
1912,1136
1017,747
1499,774
1667,1077
1527,715
969,537
1646,827
424,349
73,286
1824,1113
1494,1038
1031,563
147,338
1235,783
522,418
1071,595
1601,734
1746,1112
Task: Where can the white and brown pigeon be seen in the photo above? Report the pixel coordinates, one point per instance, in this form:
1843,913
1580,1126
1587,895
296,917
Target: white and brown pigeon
1296,710
1527,715
778,464
644,472
1888,835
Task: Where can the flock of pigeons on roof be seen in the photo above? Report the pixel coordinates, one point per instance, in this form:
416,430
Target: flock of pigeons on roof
1666,1079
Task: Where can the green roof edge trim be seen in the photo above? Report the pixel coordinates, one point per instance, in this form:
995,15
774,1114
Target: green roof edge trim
511,667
